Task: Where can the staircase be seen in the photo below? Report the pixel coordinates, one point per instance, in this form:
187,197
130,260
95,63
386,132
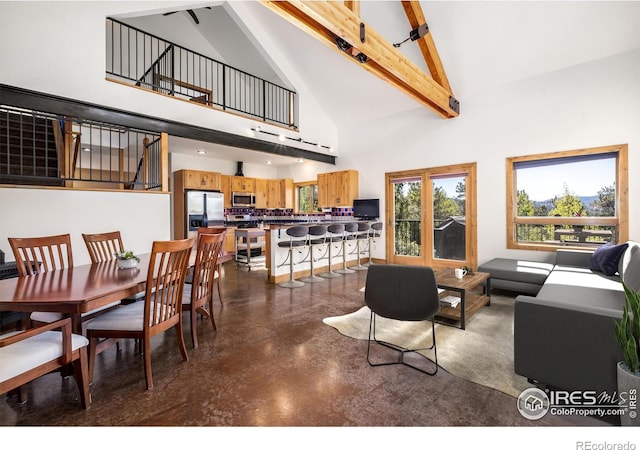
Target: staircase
28,154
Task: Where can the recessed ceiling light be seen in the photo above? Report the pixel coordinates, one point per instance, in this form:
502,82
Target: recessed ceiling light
301,160
269,162
202,152
86,149
331,149
281,137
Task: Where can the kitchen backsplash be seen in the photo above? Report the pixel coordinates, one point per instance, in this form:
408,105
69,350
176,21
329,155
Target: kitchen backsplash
260,213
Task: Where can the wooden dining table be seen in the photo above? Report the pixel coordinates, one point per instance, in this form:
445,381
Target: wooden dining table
75,290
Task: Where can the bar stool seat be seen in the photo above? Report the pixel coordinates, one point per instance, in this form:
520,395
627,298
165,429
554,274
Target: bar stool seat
294,233
335,235
350,234
317,237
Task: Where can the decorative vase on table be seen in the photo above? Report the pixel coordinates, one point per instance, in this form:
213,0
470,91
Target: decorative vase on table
127,263
627,333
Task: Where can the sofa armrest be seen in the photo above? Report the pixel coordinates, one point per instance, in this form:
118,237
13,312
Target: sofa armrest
566,346
574,258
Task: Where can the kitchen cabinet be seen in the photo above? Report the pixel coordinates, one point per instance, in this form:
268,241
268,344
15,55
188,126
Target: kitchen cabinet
196,179
229,244
262,193
337,188
225,188
243,184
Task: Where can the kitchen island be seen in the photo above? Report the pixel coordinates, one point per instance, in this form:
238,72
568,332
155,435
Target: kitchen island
277,263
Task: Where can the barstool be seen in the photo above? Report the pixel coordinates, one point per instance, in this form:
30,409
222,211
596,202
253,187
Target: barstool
374,233
361,235
316,238
350,230
294,234
336,234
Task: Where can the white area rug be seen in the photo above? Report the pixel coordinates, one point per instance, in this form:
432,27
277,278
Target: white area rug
483,353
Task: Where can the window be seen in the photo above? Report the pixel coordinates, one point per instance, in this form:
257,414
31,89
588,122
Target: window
574,198
307,197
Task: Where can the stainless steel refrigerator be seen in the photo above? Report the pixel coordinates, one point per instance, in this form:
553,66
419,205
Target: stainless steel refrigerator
203,209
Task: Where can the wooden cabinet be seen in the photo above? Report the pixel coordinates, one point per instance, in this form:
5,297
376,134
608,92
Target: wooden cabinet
243,184
262,193
196,179
337,188
229,244
225,188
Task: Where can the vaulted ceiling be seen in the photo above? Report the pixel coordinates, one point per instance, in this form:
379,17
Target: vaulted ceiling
483,45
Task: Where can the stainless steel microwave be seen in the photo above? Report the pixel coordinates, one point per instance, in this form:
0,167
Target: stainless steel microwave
243,199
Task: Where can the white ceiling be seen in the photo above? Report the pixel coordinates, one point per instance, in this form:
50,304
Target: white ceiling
482,44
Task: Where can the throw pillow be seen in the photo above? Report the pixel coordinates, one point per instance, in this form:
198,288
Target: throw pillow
606,257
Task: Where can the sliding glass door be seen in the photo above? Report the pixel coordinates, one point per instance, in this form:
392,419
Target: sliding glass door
432,216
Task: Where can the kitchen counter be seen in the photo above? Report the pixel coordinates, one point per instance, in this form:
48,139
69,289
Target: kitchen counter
248,241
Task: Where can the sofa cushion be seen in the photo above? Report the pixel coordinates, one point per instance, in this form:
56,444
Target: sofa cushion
517,270
583,289
606,258
629,267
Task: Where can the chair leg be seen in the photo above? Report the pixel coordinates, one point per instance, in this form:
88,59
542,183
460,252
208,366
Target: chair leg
81,374
147,363
291,283
359,266
194,334
93,343
219,289
402,351
330,273
181,344
345,270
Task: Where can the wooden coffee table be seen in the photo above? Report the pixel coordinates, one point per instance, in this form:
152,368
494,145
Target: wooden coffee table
466,287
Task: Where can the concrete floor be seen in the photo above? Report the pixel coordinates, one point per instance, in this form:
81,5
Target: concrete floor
272,362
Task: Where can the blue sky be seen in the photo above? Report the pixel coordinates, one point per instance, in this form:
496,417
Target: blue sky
583,178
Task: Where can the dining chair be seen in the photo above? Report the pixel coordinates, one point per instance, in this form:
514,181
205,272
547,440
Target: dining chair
403,293
199,293
38,255
223,253
160,311
103,246
27,355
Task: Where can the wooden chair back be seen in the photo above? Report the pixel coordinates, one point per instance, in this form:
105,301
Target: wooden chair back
42,254
209,248
103,246
165,283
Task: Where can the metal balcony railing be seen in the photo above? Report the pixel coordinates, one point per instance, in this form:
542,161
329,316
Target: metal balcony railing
45,149
142,59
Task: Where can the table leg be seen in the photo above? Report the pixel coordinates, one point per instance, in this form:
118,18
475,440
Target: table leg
463,312
488,291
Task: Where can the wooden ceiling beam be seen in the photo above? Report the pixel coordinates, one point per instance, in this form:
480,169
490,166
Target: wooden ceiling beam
427,46
354,6
327,21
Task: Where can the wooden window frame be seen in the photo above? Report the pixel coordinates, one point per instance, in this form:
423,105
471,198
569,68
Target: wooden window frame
621,221
297,196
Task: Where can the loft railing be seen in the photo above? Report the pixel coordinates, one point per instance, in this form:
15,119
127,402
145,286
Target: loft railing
142,59
45,149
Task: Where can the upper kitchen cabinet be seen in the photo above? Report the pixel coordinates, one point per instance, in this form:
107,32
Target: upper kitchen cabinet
196,179
225,187
337,188
243,184
262,193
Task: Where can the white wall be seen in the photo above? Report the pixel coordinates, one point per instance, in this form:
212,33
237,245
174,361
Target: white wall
140,217
585,106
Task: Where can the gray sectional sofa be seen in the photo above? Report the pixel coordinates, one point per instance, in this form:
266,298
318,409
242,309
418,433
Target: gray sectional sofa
564,336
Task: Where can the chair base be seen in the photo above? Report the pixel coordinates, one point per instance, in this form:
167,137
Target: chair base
312,279
330,275
291,284
402,351
345,271
360,267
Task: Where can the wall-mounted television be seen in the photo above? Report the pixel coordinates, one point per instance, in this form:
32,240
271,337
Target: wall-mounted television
366,208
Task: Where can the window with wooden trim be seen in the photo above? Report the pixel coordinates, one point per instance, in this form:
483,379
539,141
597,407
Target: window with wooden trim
307,197
575,198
